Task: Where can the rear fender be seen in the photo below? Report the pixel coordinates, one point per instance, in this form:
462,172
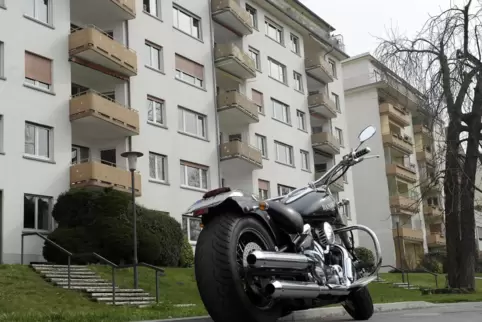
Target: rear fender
241,205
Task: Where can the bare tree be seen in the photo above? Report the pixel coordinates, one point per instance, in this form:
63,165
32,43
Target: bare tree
444,62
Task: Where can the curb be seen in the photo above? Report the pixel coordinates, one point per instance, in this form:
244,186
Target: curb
325,312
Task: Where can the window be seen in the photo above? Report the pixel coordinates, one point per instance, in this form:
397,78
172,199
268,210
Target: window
274,31
155,110
346,210
194,175
284,153
37,140
257,98
295,44
157,167
298,81
38,71
305,160
336,98
152,7
36,212
479,232
277,70
321,167
192,227
301,120
345,177
263,189
153,56
1,133
192,123
262,145
253,15
2,55
189,71
281,111
254,54
284,190
333,67
186,22
339,136
80,154
39,10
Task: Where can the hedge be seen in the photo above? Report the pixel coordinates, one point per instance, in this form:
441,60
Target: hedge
101,221
187,255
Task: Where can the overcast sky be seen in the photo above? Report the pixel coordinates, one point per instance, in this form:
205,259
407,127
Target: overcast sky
359,21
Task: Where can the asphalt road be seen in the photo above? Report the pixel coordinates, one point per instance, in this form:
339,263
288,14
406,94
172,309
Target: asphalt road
462,312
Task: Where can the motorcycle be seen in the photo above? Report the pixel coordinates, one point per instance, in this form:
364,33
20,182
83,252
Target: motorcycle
259,260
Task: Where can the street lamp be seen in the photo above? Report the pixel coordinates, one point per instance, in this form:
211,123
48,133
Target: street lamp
132,164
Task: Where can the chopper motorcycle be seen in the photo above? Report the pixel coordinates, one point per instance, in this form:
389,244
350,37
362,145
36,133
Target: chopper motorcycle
259,260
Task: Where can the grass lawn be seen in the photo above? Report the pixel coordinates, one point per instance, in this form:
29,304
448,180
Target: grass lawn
25,296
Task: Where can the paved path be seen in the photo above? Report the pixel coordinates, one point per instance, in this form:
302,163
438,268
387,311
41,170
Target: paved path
462,312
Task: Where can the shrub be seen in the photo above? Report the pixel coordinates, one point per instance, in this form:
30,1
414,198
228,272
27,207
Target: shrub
366,257
76,240
169,232
187,255
433,262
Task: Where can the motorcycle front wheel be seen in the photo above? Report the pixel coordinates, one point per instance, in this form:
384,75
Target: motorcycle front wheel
220,267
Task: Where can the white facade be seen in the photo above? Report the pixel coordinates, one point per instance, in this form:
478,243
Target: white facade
178,125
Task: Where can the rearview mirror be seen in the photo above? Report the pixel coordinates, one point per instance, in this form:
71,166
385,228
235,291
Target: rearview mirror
366,134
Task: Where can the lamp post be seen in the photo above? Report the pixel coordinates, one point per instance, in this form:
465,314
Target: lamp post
400,248
132,164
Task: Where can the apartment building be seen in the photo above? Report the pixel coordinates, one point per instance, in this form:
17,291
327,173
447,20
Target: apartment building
212,92
398,195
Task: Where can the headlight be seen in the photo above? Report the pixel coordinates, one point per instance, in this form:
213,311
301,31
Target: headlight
329,233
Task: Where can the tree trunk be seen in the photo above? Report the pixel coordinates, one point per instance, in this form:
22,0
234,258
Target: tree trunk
452,203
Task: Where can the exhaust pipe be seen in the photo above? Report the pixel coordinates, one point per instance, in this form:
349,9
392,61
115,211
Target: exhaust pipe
301,290
260,259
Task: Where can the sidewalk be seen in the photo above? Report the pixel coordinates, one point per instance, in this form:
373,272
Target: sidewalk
316,314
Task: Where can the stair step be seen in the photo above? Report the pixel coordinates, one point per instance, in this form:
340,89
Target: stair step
136,303
126,299
78,280
400,283
109,290
82,283
119,294
59,266
72,275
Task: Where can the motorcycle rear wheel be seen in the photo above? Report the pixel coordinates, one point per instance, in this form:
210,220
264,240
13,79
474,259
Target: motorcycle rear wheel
359,304
220,259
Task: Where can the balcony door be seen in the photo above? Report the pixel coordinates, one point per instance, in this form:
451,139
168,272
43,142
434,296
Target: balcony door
80,154
109,157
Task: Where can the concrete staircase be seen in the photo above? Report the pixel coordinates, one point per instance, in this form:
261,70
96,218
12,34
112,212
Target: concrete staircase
97,288
401,285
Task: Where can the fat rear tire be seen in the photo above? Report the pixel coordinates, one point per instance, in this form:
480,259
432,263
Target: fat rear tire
216,269
359,304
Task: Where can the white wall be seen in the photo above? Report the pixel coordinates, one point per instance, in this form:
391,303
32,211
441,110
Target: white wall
19,104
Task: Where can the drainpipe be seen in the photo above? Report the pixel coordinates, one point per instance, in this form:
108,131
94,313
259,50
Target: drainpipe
126,32
216,117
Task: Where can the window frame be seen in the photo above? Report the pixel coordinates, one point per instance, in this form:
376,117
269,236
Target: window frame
253,13
281,186
192,18
334,70
185,180
298,80
198,116
257,59
305,158
341,139
152,46
36,141
289,155
35,16
1,134
79,149
151,101
263,149
186,229
336,98
267,192
36,213
479,232
301,117
158,13
270,23
281,67
165,167
286,110
2,60
295,43
260,107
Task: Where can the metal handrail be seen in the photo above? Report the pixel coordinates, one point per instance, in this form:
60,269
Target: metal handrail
159,271
435,275
398,270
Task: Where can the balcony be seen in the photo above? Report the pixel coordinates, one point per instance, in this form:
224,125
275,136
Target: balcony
422,129
94,46
424,154
408,234
431,185
433,213
337,186
325,142
232,60
397,142
229,13
402,172
318,68
102,118
235,109
396,114
241,156
321,104
107,11
98,175
436,240
401,204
